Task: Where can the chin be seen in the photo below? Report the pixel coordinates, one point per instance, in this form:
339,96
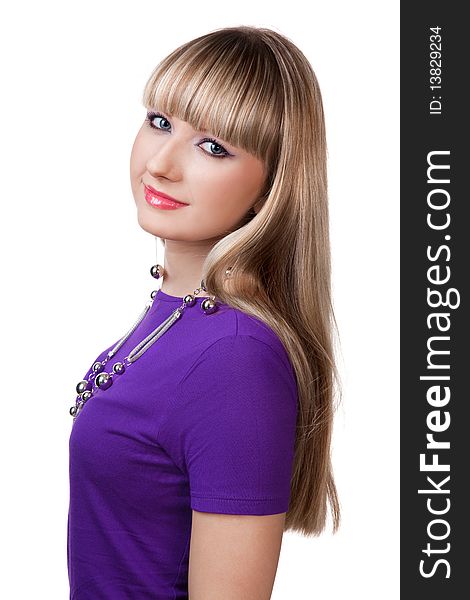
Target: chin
150,223
147,223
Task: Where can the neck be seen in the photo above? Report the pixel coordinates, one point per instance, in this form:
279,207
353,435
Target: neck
183,266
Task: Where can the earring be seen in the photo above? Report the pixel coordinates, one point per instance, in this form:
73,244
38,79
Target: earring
157,271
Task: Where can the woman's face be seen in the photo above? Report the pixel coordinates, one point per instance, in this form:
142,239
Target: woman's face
219,183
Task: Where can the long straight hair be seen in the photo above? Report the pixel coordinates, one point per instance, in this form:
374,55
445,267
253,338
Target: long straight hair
253,88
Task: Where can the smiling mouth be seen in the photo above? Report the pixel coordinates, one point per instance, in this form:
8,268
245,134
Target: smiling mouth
153,192
160,200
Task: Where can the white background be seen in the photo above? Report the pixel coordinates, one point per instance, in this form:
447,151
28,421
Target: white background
75,263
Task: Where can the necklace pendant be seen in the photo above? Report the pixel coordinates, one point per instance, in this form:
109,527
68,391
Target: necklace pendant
75,409
189,300
98,367
79,409
82,386
119,368
103,381
208,305
80,402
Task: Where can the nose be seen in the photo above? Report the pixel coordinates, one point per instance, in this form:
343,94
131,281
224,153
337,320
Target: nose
166,158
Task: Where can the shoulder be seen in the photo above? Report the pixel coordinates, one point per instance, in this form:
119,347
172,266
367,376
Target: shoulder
239,377
231,421
234,343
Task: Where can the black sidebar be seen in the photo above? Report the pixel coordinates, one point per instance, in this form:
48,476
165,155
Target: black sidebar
435,272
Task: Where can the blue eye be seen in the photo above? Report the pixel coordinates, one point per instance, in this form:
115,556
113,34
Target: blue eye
214,143
220,151
151,116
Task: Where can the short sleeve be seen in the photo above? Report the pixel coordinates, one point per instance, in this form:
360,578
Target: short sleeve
232,425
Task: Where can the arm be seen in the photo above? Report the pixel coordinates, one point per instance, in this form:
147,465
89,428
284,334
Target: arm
234,557
232,428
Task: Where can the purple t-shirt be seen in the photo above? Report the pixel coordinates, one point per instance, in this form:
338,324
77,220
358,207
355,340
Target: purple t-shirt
205,419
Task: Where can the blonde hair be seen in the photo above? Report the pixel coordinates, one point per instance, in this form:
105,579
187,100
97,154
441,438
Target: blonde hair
253,88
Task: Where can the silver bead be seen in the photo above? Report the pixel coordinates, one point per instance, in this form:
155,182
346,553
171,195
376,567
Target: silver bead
97,367
75,410
189,300
103,381
156,271
153,294
86,396
83,385
208,306
119,368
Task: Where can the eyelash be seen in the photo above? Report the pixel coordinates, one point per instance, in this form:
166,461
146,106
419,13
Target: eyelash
153,115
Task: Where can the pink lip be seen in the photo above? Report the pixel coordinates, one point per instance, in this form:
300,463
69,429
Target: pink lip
161,200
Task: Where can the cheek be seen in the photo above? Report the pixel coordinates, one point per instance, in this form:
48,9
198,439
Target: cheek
229,194
219,205
225,193
138,156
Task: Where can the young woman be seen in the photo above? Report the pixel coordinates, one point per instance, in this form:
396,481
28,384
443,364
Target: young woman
204,432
